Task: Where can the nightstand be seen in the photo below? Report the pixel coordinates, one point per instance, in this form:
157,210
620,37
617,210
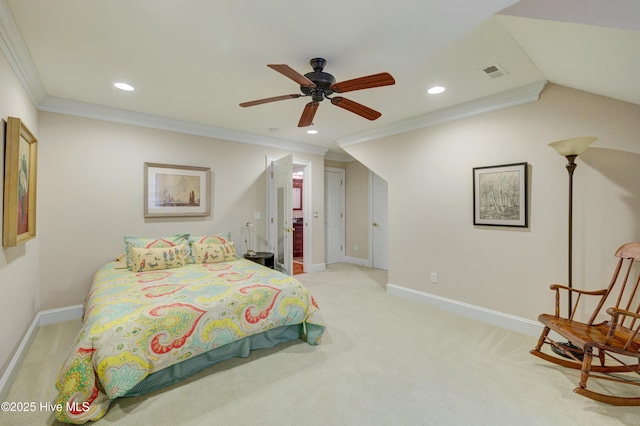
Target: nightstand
264,258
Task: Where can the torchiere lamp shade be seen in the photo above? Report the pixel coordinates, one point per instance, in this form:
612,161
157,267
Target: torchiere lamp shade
573,146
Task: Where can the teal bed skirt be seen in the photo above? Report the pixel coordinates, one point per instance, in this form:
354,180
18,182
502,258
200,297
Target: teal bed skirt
241,348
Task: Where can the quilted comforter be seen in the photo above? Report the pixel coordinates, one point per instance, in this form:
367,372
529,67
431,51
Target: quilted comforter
139,323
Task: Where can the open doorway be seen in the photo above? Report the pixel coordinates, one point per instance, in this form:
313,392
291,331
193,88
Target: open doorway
298,219
288,227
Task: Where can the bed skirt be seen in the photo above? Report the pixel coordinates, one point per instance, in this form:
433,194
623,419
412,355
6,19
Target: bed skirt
241,348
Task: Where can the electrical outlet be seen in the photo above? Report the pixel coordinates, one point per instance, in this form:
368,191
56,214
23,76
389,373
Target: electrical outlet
434,277
355,247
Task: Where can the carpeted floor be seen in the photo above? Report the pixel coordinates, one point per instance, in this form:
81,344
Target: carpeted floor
383,361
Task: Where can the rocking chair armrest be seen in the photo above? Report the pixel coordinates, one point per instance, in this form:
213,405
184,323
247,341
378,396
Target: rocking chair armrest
630,333
577,290
616,312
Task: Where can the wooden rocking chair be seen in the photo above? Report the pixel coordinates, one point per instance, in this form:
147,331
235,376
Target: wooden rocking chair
616,338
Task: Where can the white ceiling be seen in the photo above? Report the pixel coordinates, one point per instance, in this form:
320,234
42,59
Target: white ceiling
193,61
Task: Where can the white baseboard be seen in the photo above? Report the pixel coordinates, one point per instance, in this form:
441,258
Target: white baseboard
318,267
356,261
42,318
499,319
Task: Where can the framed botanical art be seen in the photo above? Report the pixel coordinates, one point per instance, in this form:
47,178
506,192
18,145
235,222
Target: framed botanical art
500,195
20,172
171,190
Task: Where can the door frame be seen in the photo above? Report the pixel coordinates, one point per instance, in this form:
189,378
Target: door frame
306,206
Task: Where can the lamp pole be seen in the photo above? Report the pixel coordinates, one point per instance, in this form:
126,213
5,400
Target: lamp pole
570,149
571,166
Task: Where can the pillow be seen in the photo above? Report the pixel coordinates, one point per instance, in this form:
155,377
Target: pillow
214,253
169,241
222,238
151,259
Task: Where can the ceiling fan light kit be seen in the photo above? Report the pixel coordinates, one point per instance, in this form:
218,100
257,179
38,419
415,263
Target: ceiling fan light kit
320,85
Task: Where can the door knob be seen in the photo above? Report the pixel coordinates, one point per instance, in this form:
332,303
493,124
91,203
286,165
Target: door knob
376,224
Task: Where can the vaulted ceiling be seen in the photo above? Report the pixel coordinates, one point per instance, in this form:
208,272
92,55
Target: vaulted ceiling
192,62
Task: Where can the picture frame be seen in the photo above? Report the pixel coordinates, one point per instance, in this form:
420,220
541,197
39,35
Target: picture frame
171,190
20,183
500,195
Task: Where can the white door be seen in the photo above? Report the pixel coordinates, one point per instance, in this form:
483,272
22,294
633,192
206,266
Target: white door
282,173
334,214
379,216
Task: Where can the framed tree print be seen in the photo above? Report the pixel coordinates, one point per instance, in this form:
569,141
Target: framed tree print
500,195
20,168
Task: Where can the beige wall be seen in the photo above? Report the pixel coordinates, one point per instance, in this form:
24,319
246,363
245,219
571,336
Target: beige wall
91,192
19,278
429,172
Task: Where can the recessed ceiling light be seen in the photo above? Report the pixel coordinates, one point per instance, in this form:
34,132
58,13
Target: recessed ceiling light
124,86
435,90
312,132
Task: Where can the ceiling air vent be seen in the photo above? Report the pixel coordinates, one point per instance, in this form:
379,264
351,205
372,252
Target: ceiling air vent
495,71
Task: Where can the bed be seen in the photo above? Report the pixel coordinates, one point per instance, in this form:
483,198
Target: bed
176,306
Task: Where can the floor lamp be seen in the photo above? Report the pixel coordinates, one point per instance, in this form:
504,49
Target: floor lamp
571,148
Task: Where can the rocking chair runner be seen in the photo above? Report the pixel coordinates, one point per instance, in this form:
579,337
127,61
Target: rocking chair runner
616,338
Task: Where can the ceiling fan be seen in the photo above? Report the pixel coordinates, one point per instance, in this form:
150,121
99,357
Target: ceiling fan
320,85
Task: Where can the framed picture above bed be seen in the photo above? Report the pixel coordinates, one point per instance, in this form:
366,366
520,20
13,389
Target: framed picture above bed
20,167
500,195
171,190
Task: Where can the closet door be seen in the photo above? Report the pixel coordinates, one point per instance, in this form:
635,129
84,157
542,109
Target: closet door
379,230
334,215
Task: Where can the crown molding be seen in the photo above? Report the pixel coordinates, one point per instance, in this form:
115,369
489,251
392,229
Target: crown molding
506,99
340,157
17,54
117,115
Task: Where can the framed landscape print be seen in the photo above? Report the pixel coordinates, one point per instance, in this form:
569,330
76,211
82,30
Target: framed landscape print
500,195
20,167
171,190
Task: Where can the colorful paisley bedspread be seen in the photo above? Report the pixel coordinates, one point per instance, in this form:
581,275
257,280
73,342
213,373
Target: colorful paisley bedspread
139,323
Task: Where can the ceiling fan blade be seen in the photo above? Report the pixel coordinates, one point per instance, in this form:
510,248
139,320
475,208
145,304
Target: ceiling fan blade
374,80
294,75
267,100
356,108
307,114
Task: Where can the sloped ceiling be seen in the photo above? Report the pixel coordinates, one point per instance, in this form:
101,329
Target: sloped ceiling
192,61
